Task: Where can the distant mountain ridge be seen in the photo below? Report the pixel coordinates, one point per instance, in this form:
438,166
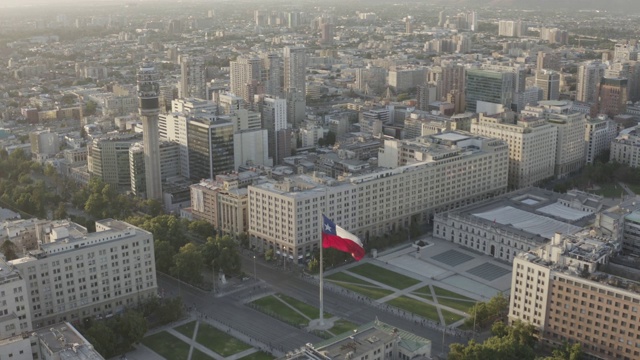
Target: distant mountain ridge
612,5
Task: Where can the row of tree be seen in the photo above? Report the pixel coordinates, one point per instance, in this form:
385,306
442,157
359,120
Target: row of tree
601,172
115,336
185,248
484,313
511,342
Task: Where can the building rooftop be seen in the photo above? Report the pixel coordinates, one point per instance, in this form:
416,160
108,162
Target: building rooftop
67,343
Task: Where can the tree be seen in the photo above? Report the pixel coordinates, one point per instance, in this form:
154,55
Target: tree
90,108
164,255
60,212
566,352
508,342
269,255
313,265
131,327
9,249
201,229
188,264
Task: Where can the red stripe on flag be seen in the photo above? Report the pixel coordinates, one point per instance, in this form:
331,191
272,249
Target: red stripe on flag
342,244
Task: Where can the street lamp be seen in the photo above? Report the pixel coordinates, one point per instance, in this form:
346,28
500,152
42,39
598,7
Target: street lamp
255,274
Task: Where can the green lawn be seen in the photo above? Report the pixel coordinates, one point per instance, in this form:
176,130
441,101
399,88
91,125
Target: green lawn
342,326
449,317
311,312
462,305
271,305
608,190
199,355
444,292
219,341
186,329
167,346
415,306
382,275
372,292
259,355
343,277
424,292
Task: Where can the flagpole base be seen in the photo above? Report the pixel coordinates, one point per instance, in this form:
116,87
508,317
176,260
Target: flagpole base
317,324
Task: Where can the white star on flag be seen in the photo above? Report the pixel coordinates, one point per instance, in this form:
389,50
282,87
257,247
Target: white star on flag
327,227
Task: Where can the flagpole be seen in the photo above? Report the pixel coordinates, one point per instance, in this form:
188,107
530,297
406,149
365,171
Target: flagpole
326,202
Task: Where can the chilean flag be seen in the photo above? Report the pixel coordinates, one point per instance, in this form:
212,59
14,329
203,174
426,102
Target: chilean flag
334,236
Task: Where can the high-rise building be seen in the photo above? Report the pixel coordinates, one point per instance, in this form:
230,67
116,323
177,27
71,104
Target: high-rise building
571,126
426,95
326,32
549,82
548,60
529,139
149,107
274,119
44,143
169,165
600,132
271,74
511,28
210,147
488,85
408,25
447,77
295,69
589,75
404,78
76,275
15,314
245,77
108,159
193,80
612,96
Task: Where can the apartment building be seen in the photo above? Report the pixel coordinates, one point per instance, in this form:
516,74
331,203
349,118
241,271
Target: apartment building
529,139
75,275
15,314
571,289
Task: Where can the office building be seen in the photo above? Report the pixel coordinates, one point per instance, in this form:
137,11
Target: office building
488,85
519,221
295,69
612,96
548,61
15,312
108,159
44,144
426,95
210,147
169,154
529,139
571,126
599,134
511,28
573,290
404,78
588,81
625,148
148,92
272,73
274,120
76,275
193,80
549,82
326,32
251,148
447,77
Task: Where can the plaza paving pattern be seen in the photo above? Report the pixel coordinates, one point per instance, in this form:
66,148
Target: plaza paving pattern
444,280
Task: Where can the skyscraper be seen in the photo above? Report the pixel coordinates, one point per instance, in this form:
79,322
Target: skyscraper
245,74
295,67
589,75
549,82
193,82
612,96
149,107
488,85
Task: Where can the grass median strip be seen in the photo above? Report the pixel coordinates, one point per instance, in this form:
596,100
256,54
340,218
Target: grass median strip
199,355
219,341
372,292
167,346
309,311
275,308
424,292
343,277
449,317
417,307
342,326
385,276
448,293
